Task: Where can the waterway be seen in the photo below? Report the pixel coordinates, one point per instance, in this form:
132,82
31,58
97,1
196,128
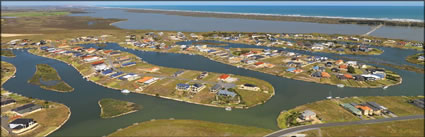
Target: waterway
85,120
152,21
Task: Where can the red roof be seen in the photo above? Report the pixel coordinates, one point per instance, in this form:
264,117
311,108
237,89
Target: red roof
343,66
224,76
97,62
348,76
107,51
259,63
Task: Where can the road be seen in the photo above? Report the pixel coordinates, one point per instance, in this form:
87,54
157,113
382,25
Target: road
289,131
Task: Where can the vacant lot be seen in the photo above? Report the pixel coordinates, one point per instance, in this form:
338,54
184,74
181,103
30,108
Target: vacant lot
189,128
112,108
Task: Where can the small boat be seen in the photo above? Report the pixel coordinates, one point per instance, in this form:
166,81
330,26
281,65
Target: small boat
13,76
340,85
336,97
329,97
228,109
385,87
125,91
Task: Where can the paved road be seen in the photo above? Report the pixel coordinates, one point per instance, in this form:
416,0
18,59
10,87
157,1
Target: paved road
292,130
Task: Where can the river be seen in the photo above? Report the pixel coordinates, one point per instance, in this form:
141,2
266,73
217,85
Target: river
85,119
152,21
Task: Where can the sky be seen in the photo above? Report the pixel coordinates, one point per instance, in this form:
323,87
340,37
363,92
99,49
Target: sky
287,3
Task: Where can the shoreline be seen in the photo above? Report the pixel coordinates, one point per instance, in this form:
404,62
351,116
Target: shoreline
170,98
279,17
69,115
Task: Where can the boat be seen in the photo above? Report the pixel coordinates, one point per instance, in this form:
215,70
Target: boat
125,91
228,109
340,85
330,95
385,87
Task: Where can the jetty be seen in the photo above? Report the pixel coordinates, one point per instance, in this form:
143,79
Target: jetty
373,29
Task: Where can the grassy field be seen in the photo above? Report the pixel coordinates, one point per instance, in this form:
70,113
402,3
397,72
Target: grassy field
34,13
7,53
395,128
414,59
189,128
112,108
7,71
45,72
330,111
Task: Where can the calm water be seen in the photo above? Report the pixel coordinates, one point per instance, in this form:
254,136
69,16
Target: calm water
377,12
164,22
85,118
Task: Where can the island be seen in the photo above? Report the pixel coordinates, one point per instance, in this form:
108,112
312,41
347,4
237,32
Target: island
42,117
171,127
110,108
47,78
351,109
416,59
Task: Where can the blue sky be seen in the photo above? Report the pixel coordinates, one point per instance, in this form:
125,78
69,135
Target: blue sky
288,3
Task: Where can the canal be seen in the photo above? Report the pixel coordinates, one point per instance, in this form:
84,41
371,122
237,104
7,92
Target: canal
85,120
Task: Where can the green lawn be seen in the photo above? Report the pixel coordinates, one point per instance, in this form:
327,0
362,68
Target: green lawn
406,128
189,128
48,73
33,14
112,108
7,71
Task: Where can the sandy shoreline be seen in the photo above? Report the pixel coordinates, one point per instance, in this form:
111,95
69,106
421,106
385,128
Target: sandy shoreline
278,17
16,35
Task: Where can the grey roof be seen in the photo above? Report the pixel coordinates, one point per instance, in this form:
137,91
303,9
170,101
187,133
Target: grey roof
374,104
26,108
226,93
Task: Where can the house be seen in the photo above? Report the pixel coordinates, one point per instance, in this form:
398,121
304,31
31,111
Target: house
370,77
418,102
182,87
129,77
421,58
251,87
224,92
6,102
351,108
27,109
367,111
343,66
379,108
178,73
325,75
307,115
226,78
107,72
195,88
128,64
153,69
316,74
148,80
216,88
348,76
22,124
202,75
259,64
90,50
339,62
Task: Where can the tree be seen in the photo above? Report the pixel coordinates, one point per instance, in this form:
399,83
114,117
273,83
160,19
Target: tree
351,69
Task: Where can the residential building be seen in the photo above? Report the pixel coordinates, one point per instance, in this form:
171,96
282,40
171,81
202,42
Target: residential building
26,109
307,115
22,124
